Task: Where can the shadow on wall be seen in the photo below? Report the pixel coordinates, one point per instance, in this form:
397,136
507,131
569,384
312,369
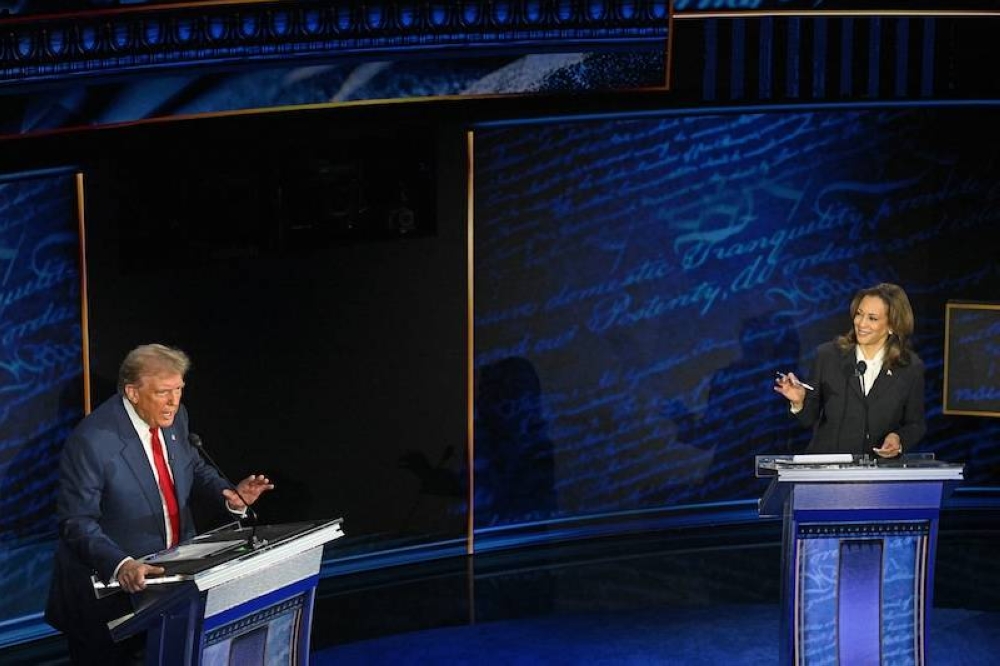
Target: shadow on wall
744,417
515,460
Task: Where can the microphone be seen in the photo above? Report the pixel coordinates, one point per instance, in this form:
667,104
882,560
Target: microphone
859,370
196,442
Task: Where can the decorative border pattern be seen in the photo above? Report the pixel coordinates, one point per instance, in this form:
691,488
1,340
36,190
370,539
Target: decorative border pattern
71,46
862,530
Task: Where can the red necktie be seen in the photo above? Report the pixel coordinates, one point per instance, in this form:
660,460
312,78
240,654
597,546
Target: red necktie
166,487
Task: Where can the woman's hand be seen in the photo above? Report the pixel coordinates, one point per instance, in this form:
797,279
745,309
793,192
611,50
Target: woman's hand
789,386
892,446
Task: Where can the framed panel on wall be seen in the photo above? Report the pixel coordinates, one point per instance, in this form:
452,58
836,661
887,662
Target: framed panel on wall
972,359
42,371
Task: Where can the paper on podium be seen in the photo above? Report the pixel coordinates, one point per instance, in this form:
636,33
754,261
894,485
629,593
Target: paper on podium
821,458
191,551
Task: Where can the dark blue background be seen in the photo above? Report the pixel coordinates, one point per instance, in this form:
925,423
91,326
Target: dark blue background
638,278
651,275
41,371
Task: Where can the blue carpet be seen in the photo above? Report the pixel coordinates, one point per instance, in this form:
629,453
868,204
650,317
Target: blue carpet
734,634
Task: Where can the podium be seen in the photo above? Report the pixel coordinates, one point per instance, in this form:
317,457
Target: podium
857,554
236,595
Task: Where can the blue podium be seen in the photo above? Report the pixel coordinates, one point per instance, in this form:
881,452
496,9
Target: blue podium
858,555
237,595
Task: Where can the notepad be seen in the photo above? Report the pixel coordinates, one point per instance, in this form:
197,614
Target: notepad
822,458
191,551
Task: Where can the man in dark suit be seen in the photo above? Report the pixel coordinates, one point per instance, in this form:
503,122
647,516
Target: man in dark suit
128,475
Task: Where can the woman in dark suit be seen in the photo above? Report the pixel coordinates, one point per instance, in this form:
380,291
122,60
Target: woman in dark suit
867,387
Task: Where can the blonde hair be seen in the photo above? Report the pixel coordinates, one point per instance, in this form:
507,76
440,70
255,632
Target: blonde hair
150,359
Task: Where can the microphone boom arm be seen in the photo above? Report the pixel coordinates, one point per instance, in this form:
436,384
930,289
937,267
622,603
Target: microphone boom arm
252,541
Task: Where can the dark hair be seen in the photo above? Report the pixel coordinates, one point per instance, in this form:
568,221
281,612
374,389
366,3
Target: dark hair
897,347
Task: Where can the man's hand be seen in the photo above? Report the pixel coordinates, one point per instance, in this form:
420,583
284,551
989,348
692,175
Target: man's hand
250,489
132,575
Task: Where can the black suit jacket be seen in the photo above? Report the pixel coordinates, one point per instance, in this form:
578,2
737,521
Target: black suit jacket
108,506
836,410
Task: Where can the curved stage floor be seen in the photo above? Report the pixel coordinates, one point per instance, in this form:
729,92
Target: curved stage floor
670,598
691,596
716,635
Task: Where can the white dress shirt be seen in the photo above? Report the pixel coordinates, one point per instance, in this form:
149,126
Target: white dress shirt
146,437
873,366
142,429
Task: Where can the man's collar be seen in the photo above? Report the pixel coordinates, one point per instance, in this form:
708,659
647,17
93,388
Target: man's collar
140,426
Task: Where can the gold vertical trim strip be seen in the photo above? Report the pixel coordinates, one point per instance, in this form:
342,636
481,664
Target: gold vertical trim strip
947,347
470,546
84,310
670,46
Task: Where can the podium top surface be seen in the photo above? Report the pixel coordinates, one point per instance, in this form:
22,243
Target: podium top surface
215,557
274,544
847,468
232,558
862,483
240,542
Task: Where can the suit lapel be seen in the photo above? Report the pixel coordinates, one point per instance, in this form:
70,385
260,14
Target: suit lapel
849,368
135,457
881,383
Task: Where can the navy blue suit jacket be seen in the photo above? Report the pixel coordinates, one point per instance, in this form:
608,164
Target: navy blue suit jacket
109,508
837,408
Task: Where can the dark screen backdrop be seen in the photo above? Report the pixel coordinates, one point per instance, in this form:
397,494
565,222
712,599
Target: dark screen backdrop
41,373
639,282
327,339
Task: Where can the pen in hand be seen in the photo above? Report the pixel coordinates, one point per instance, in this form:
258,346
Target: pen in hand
782,376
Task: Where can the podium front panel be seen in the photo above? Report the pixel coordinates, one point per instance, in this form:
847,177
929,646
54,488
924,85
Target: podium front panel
859,592
238,591
269,630
858,557
248,601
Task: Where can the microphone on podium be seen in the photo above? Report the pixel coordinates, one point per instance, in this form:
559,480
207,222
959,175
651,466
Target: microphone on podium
860,370
200,446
